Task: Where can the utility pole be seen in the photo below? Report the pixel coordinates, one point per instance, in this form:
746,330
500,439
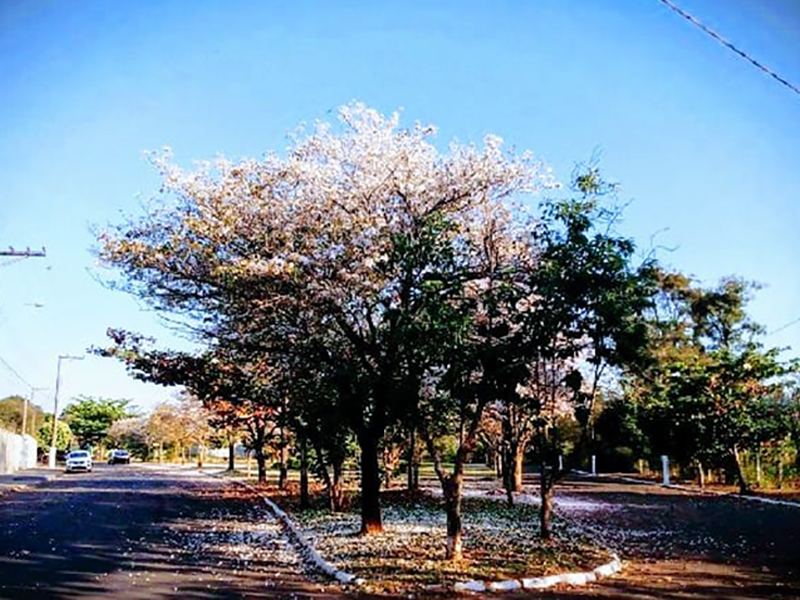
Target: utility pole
52,458
27,253
25,408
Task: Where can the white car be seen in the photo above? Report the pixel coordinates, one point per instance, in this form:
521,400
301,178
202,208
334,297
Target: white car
79,460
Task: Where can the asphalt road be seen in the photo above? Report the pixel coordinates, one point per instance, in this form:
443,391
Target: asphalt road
133,532
677,544
145,532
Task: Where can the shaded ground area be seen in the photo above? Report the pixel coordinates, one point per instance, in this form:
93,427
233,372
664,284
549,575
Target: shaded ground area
130,532
790,491
683,545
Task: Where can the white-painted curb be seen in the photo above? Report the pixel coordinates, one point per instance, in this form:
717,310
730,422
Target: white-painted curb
539,583
307,551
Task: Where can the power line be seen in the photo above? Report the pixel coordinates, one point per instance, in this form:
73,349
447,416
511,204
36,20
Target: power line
17,375
731,46
785,326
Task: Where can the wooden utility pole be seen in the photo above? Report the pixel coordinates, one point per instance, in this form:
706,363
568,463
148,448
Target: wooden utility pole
25,408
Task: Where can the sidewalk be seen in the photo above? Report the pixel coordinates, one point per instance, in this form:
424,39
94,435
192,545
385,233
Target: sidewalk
34,476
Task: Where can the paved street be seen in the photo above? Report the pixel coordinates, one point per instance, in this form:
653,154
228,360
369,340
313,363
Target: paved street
134,532
150,532
677,544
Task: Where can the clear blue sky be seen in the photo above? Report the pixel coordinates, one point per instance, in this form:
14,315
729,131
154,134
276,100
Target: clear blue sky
706,147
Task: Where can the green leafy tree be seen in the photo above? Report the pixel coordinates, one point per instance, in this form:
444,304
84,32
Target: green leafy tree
64,434
711,389
11,410
582,319
91,418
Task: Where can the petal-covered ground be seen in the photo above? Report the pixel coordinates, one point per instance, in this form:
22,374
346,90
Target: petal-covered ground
674,543
500,542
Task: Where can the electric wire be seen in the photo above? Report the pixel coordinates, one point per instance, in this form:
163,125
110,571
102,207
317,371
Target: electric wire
14,372
731,46
785,326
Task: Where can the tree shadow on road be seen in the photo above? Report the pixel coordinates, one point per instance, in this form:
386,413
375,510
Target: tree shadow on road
144,536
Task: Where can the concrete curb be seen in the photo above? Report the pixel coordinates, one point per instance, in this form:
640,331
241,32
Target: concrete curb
693,490
540,583
307,551
29,477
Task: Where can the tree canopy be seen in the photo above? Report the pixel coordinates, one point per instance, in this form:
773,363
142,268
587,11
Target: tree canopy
91,418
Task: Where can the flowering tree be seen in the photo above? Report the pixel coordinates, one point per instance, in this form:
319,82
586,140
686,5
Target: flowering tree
131,433
303,242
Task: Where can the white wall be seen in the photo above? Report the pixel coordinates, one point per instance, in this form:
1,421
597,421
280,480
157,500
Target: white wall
16,452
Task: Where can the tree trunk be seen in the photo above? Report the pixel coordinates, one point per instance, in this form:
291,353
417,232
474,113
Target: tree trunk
744,488
261,464
780,470
336,492
304,501
519,461
701,475
759,481
412,481
333,485
452,503
508,475
510,446
371,521
387,469
231,455
546,487
283,474
200,457
160,452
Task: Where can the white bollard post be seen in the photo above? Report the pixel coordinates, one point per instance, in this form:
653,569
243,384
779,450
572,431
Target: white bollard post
594,465
665,468
560,462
